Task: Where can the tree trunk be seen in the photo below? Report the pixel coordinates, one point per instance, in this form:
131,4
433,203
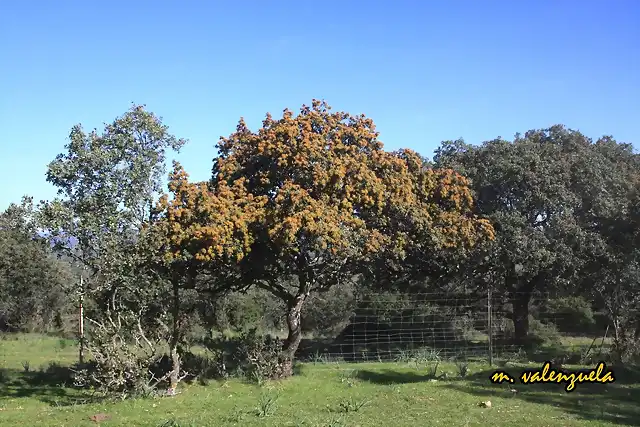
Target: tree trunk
175,339
294,308
521,298
520,317
175,365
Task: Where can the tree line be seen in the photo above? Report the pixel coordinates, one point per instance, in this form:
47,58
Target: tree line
311,205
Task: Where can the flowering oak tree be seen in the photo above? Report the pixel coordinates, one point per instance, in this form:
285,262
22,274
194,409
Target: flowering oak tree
309,202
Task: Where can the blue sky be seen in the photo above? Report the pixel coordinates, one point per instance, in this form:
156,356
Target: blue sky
425,71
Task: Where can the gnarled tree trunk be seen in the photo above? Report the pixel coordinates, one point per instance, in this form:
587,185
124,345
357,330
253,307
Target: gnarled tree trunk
174,377
521,300
520,319
294,337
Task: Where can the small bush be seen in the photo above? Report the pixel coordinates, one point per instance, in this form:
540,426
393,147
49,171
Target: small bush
328,312
463,369
543,333
124,364
572,315
352,405
257,356
539,332
266,405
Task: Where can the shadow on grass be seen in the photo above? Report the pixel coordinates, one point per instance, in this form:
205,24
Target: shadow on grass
389,376
616,403
50,385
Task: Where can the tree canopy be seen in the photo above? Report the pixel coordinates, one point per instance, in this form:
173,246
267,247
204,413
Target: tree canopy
310,201
34,284
548,194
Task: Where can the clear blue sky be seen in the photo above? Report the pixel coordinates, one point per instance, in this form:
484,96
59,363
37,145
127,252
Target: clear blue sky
425,71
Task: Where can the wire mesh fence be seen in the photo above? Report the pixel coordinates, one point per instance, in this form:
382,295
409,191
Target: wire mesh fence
453,326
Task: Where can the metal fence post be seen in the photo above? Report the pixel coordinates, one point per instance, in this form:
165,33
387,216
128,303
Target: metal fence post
490,327
81,323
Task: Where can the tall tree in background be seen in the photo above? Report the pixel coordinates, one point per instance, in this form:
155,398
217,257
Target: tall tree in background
609,182
563,210
309,202
34,284
526,188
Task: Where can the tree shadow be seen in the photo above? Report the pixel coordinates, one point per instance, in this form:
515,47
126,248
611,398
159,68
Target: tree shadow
616,403
50,385
390,376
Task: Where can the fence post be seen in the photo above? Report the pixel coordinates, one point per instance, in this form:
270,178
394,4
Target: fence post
81,322
490,326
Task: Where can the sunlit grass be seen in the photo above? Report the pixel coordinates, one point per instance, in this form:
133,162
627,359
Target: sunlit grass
322,394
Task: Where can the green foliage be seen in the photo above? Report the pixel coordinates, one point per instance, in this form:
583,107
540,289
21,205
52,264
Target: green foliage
463,369
306,216
236,311
34,284
543,333
259,357
327,312
556,200
266,405
108,182
573,315
352,405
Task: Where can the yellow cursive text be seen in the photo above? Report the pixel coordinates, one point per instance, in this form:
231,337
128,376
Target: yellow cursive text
548,375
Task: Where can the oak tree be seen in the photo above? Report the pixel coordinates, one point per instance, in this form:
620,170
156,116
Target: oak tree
33,283
308,202
108,182
610,211
547,194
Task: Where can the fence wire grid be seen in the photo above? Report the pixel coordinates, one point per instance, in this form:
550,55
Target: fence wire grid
391,327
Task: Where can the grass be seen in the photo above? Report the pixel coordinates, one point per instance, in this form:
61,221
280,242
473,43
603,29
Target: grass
322,394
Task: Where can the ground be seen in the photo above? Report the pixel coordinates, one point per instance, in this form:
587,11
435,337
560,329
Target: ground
321,394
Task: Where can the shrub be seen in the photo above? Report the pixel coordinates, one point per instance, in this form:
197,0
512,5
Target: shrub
572,315
124,359
328,312
258,356
543,333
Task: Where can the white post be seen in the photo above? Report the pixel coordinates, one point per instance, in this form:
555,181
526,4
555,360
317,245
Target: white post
81,351
490,326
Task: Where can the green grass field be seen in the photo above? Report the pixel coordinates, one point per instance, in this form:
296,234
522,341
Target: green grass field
331,394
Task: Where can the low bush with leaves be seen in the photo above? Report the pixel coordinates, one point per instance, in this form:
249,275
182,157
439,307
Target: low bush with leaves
543,333
123,364
572,315
266,405
258,356
352,405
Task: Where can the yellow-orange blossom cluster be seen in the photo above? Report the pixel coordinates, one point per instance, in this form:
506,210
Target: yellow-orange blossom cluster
320,178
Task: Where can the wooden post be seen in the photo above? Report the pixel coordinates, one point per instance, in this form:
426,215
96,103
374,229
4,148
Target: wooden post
81,351
490,326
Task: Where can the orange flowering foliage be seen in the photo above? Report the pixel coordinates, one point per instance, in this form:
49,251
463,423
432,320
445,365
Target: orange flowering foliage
320,183
201,224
